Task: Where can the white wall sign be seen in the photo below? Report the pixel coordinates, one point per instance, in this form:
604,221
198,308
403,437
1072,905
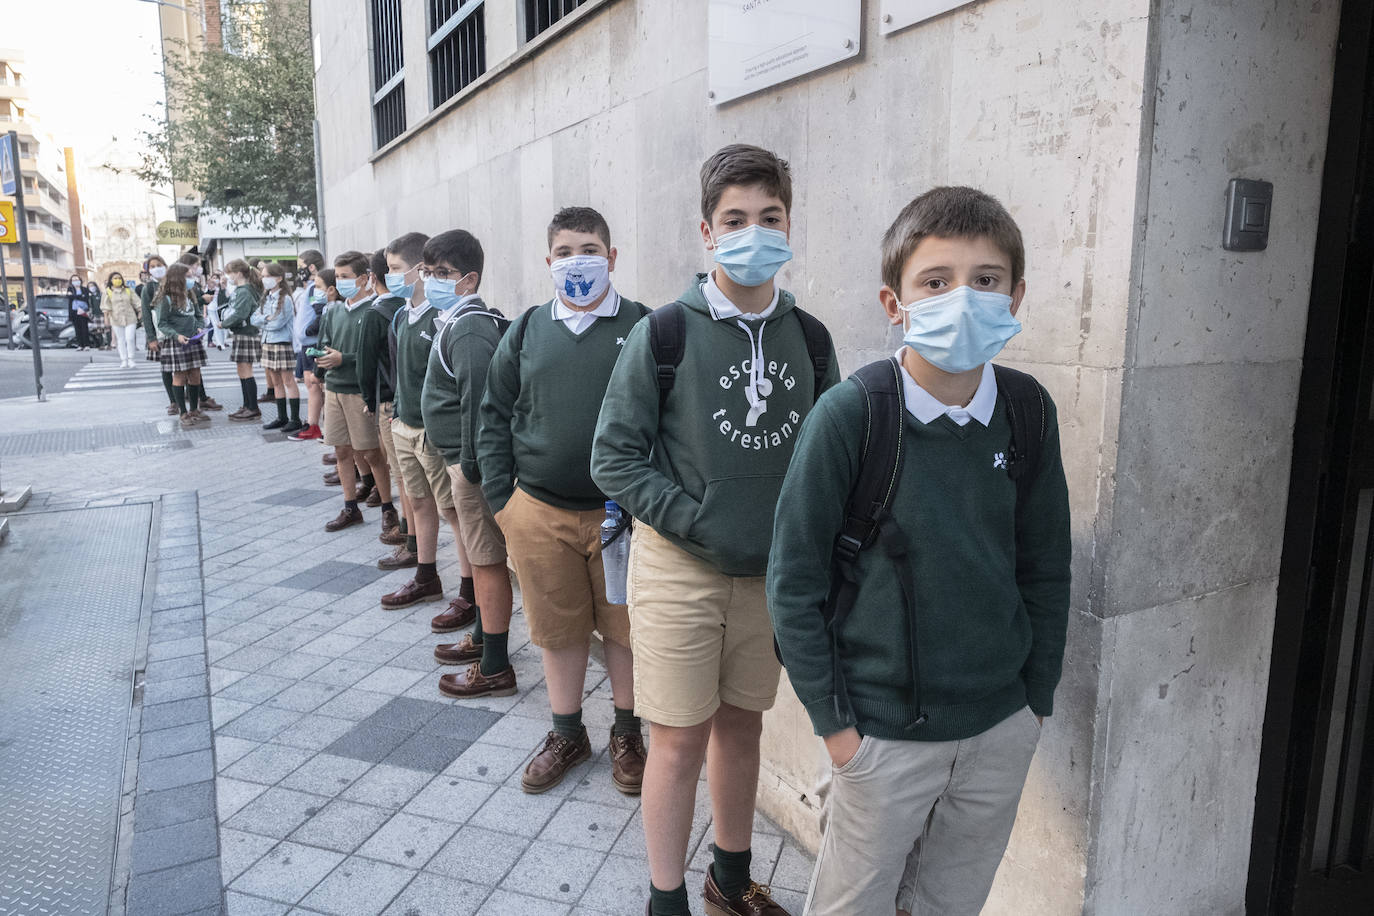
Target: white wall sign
760,43
898,14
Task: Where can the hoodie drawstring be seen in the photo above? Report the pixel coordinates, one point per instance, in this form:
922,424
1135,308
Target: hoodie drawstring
759,387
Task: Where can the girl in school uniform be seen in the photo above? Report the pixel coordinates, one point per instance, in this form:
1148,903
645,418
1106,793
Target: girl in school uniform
278,354
244,290
181,351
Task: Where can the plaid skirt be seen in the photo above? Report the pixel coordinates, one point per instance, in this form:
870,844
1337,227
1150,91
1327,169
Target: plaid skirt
182,357
278,357
247,348
98,322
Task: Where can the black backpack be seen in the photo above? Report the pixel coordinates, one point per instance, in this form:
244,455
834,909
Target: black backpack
668,342
867,520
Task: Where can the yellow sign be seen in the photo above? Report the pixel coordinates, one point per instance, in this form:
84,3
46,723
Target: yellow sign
171,232
9,229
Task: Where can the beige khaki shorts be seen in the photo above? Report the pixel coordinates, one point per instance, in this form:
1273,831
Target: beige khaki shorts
557,556
700,637
346,422
385,412
421,466
482,537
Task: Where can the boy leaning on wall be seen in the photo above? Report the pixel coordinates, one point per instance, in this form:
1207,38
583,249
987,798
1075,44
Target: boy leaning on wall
699,465
930,666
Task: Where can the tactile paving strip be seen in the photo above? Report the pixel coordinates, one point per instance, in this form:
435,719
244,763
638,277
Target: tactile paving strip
69,615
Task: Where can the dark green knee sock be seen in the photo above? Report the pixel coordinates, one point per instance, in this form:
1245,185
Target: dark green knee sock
626,722
669,903
731,871
569,726
167,383
494,657
179,398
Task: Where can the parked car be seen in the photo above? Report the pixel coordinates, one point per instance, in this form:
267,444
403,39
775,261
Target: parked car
52,320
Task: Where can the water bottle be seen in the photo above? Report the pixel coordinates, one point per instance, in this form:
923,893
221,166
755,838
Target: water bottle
615,551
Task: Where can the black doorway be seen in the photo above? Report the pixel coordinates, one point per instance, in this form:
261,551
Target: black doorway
1313,841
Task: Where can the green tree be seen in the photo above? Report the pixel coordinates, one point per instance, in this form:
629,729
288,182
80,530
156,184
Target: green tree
242,131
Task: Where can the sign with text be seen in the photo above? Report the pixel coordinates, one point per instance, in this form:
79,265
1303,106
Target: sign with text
170,232
756,44
898,14
9,229
8,167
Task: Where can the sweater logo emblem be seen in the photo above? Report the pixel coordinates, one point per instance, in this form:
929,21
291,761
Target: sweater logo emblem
620,341
999,460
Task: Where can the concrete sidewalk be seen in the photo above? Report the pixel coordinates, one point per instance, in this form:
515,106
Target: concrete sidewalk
344,782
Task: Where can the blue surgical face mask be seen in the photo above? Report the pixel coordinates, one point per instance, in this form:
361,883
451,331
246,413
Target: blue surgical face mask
960,330
190,282
347,288
441,293
753,255
398,286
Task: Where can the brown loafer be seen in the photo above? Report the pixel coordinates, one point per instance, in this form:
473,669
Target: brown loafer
627,762
461,613
243,416
755,901
211,404
365,493
346,518
173,410
267,397
392,537
472,683
391,519
399,559
554,760
331,479
462,652
328,458
413,593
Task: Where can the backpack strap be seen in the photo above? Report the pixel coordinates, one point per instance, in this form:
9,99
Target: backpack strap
818,347
1026,414
880,462
667,342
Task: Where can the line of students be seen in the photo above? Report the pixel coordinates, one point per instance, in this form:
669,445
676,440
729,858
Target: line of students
720,423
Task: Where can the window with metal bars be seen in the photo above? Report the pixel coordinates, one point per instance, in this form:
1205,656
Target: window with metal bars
457,46
540,14
388,72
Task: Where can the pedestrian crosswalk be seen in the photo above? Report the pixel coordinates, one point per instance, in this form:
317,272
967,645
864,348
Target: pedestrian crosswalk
146,376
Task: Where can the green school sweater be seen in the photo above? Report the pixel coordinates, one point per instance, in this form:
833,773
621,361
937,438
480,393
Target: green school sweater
147,308
414,341
541,405
172,321
706,470
992,582
375,379
340,328
242,305
455,379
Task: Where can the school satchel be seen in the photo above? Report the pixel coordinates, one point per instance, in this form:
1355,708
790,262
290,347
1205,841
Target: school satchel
869,522
668,342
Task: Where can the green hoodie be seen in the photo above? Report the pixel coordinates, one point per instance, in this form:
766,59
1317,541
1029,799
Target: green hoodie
699,472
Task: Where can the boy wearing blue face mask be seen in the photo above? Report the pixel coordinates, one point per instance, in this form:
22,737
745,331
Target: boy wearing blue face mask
694,436
928,661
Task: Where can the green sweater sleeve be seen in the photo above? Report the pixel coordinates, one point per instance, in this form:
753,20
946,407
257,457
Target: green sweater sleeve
810,514
326,331
495,450
1043,556
241,307
473,361
146,307
622,449
371,339
164,307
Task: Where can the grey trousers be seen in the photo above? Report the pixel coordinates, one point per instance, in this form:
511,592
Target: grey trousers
921,826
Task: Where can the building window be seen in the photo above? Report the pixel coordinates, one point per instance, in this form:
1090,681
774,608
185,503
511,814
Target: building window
388,71
457,46
540,14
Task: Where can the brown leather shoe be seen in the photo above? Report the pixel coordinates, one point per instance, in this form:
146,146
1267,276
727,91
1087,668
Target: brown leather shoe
413,593
461,613
346,519
627,762
392,537
755,901
328,458
243,415
391,519
331,479
173,410
472,683
554,760
267,397
374,499
399,559
210,404
364,493
462,652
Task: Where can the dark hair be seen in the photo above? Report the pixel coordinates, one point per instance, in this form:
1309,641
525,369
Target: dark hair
742,165
355,261
580,219
189,259
240,266
409,247
377,264
148,262
326,283
457,247
109,281
312,256
950,212
174,284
